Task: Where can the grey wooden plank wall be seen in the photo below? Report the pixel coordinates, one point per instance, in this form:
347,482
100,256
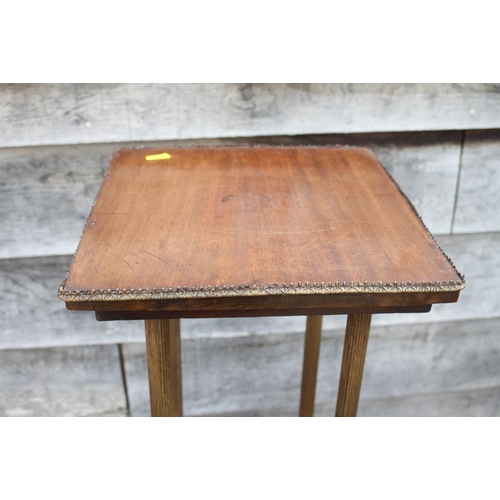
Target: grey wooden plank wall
55,142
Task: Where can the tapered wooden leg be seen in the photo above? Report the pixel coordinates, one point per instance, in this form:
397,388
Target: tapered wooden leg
163,346
310,367
353,362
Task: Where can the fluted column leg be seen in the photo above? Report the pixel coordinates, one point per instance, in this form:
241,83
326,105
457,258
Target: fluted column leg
312,343
353,362
163,346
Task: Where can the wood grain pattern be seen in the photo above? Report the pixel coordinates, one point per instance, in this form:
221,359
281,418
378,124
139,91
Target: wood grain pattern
52,188
36,114
425,165
353,363
163,343
72,381
312,344
332,215
478,200
260,374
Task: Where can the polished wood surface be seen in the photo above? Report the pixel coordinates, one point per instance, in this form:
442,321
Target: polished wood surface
163,345
312,342
353,363
256,218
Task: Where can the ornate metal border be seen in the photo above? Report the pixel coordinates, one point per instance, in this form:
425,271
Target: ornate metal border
250,291
244,290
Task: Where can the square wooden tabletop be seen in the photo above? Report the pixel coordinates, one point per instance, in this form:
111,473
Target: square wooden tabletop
228,231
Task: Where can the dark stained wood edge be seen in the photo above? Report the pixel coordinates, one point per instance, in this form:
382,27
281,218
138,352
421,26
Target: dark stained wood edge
333,302
247,313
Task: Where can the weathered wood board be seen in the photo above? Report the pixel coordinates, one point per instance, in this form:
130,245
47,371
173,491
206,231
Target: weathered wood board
45,196
478,202
47,192
37,114
75,381
469,403
32,316
403,365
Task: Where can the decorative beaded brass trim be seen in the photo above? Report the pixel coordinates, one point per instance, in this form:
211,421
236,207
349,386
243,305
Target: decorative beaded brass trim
254,290
247,290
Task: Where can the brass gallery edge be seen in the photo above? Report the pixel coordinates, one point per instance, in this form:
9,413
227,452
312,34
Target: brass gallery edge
248,290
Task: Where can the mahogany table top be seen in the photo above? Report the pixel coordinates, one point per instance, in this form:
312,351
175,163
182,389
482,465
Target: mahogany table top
255,228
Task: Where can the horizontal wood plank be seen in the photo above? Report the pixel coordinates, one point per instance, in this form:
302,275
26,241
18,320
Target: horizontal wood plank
47,192
32,316
45,197
478,201
469,403
75,381
403,365
41,114
257,376
35,317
